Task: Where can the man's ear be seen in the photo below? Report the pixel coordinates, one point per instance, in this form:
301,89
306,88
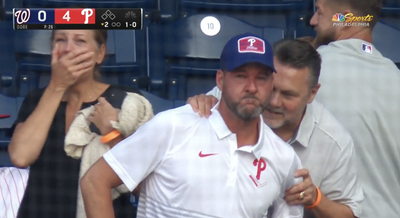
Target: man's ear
313,93
220,79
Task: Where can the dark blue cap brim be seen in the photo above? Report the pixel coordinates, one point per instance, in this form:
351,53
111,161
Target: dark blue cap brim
249,58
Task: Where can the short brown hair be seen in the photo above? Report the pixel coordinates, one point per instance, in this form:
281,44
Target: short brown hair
308,39
299,54
362,8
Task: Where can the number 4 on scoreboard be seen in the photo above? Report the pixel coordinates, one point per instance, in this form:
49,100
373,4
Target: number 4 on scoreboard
66,16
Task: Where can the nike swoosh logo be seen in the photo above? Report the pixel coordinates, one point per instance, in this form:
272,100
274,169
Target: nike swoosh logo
205,155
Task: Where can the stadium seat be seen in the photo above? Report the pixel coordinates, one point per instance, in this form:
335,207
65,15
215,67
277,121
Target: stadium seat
287,15
254,5
7,60
8,115
391,7
4,158
8,6
124,63
168,10
385,38
303,27
192,54
8,102
386,33
2,12
179,103
158,103
8,106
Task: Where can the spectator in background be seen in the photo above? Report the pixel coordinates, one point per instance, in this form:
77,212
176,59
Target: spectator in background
361,88
12,188
45,117
325,148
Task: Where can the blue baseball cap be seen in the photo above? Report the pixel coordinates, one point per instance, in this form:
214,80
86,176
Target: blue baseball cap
246,48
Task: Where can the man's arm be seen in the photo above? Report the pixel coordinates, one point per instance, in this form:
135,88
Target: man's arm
325,208
215,92
203,103
96,187
331,209
128,162
344,194
341,195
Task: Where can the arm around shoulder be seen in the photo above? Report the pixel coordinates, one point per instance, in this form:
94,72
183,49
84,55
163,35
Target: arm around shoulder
215,92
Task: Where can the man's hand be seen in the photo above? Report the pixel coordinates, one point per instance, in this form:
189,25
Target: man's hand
202,104
303,193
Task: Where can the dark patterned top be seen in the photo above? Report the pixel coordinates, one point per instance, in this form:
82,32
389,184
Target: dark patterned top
54,177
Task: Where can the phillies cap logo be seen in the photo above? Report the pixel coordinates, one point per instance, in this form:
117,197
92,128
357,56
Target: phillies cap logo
251,44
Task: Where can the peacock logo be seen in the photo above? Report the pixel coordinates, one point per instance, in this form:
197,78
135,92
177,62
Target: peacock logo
338,17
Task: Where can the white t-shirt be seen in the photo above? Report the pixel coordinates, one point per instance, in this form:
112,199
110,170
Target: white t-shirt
191,167
326,149
361,88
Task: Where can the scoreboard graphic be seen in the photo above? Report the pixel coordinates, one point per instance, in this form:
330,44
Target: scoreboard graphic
77,18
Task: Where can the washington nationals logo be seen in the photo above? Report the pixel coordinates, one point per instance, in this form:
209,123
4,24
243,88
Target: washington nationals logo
261,166
23,16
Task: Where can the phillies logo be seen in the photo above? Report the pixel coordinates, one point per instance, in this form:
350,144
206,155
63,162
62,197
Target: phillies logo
261,166
251,41
251,44
22,16
88,13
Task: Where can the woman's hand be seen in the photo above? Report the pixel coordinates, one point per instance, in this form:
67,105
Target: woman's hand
66,70
102,115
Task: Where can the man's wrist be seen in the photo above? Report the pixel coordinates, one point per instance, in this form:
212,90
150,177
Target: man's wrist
314,197
317,200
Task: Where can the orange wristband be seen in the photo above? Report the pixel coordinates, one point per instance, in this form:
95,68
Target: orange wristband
110,136
316,203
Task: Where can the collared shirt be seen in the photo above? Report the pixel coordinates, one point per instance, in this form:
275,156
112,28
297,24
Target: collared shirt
192,167
326,149
12,188
362,90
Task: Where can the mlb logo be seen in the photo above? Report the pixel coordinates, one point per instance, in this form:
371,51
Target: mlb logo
251,44
366,48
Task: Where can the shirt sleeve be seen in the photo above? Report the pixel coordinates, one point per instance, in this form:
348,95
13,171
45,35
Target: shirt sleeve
134,158
28,105
280,208
215,92
341,183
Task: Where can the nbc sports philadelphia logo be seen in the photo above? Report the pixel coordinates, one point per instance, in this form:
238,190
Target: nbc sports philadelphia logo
351,20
